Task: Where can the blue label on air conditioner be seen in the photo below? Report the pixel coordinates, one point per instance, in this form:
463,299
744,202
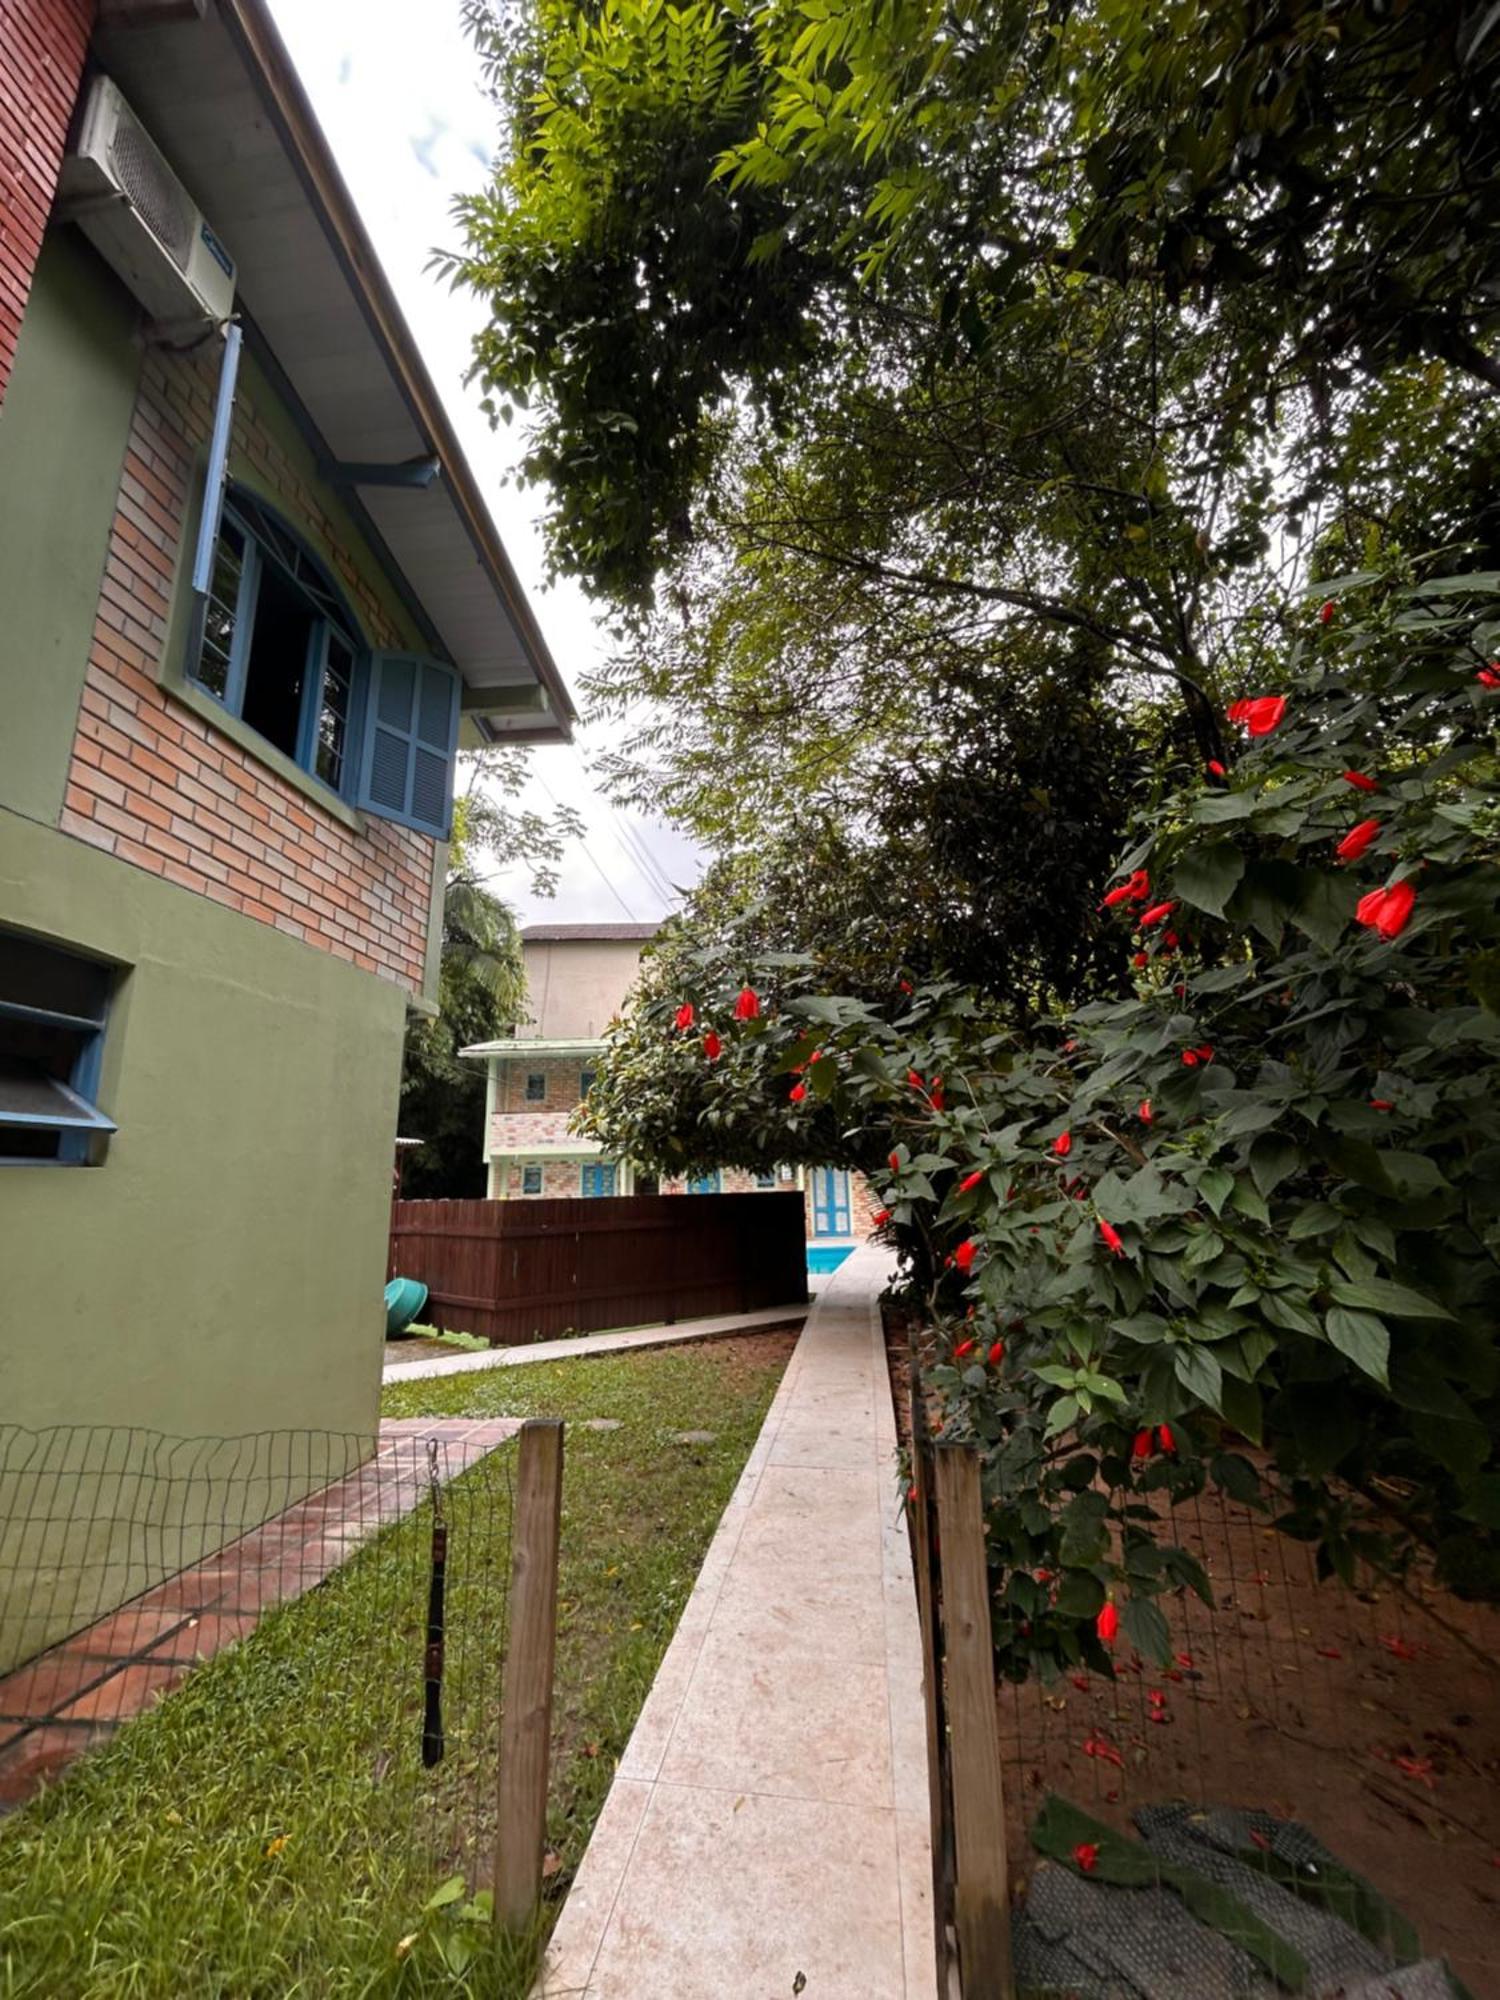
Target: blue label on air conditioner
216,249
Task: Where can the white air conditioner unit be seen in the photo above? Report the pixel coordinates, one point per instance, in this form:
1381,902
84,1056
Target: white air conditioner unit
141,219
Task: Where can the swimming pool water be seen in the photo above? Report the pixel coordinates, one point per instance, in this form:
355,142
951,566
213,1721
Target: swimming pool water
826,1257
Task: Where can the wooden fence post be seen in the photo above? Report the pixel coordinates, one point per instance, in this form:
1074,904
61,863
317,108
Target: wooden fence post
982,1893
526,1701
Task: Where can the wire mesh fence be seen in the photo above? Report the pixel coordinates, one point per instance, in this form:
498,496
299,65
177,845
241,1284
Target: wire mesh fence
305,1635
1305,1797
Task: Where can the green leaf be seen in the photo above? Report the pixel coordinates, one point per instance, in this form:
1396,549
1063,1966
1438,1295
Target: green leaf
1241,1406
1364,1339
1199,1373
1145,1628
1272,1158
1381,1295
1206,877
1216,1186
1080,1595
447,1892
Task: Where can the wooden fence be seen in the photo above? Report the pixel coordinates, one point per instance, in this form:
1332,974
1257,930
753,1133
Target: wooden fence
970,1871
518,1271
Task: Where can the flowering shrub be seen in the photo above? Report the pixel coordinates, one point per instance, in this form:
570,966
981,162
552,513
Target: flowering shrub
1251,1201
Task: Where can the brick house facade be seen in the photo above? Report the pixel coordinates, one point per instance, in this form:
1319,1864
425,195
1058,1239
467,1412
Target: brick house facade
42,52
251,604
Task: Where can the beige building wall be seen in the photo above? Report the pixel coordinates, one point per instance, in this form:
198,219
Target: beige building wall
576,986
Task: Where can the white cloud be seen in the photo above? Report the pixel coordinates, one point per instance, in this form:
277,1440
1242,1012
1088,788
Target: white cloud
398,91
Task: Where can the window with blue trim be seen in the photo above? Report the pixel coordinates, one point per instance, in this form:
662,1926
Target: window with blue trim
764,1179
536,1087
281,650
53,1009
531,1180
705,1183
597,1179
585,1083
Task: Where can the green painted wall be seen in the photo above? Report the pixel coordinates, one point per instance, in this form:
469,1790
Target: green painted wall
62,443
221,1271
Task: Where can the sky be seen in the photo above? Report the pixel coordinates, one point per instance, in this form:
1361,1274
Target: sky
396,87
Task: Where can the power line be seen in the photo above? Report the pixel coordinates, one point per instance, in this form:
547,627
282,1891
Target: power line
633,841
603,877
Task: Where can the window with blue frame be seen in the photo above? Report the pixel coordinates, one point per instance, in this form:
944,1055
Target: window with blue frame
53,1009
531,1180
766,1180
536,1087
705,1183
597,1178
281,650
585,1083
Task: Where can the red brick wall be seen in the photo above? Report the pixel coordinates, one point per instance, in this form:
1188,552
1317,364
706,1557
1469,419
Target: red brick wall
560,1180
42,47
164,789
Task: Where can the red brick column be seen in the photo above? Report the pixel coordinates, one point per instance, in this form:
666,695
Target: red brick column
42,47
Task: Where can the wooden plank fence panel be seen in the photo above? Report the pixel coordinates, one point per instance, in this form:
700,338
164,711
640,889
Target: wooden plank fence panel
982,1888
518,1271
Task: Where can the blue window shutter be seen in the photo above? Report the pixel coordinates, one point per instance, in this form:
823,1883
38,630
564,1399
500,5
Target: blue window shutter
411,734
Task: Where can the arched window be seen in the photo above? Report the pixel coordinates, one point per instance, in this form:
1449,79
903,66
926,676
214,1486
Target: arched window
280,644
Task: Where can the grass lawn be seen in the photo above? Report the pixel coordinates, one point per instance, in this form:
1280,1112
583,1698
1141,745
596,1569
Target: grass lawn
268,1830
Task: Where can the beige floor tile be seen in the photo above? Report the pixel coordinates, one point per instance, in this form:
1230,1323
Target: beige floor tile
574,1944
730,1897
789,1725
783,1611
914,1846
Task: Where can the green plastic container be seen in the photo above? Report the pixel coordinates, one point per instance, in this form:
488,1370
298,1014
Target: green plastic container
404,1299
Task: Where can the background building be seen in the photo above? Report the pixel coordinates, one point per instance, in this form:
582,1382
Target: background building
578,977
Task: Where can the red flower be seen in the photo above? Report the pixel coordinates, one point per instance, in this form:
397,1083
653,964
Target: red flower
996,1354
914,1080
1145,1113
963,1348
1135,889
797,1092
964,1255
1489,676
1216,769
1062,1145
1141,1448
895,1163
685,1015
1381,1104
1172,940
1360,782
1107,1624
971,1180
747,1007
1141,959
1325,612
880,1218
935,1096
1111,1236
1086,1854
1387,910
1261,714
1354,843
713,1048
1190,1058
1205,1052
1156,913
1164,1438
906,986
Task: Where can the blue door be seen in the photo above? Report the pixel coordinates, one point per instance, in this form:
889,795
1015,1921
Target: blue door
597,1178
705,1183
830,1202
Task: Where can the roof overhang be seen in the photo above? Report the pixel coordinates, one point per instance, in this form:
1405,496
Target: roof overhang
519,1048
219,95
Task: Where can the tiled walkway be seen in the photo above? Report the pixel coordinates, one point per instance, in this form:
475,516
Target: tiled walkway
769,1816
579,1344
77,1693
